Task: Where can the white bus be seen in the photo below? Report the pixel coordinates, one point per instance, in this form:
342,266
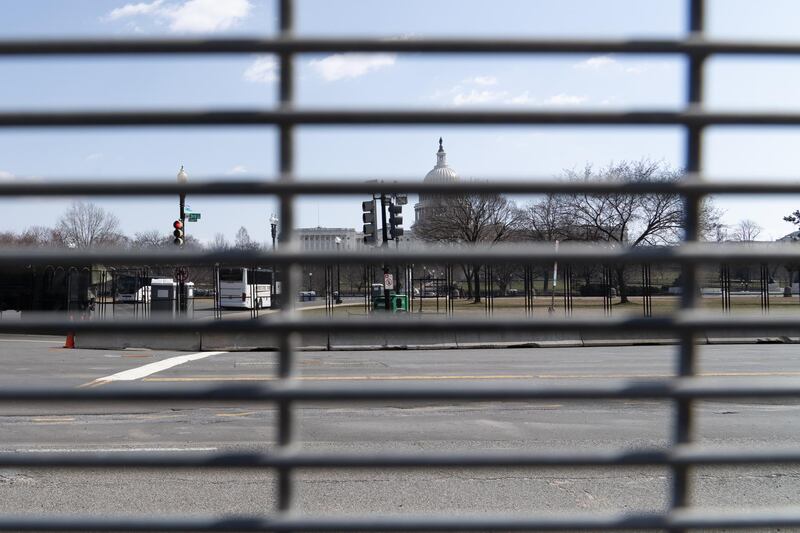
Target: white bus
244,288
132,289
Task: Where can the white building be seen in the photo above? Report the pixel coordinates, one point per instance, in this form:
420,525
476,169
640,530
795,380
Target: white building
324,239
441,173
400,242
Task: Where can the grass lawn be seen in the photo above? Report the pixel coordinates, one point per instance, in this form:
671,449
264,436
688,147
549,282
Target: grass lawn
585,306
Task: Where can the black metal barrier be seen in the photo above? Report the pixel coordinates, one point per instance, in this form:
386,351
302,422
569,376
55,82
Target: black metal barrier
680,455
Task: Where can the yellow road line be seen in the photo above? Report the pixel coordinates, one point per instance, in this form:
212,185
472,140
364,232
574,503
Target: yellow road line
93,383
53,419
156,417
336,378
467,377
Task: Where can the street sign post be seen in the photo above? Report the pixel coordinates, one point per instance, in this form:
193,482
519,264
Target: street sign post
192,217
388,282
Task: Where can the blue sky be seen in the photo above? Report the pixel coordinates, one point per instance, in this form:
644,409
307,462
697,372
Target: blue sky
545,82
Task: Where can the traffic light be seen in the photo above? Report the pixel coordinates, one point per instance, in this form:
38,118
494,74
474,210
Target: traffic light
395,220
368,217
178,233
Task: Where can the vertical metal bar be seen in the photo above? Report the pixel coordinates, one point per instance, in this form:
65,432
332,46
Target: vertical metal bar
682,431
449,293
285,436
644,292
730,287
722,286
650,290
485,289
571,295
365,281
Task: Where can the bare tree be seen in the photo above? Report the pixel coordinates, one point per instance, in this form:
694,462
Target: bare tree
219,243
632,219
86,225
546,219
8,238
719,232
243,240
36,236
470,219
504,274
150,239
746,231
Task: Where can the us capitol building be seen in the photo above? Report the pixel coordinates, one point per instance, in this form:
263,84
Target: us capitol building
325,239
441,173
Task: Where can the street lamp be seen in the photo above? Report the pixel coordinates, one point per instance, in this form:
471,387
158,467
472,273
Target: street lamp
309,280
273,222
338,241
183,178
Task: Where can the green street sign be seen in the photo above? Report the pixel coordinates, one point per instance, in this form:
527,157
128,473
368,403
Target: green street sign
193,217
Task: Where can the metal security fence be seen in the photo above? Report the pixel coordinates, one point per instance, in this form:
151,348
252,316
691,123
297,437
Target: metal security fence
682,390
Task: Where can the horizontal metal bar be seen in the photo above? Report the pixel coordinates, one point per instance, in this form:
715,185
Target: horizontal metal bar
677,323
362,117
691,45
286,390
520,253
269,185
685,455
597,521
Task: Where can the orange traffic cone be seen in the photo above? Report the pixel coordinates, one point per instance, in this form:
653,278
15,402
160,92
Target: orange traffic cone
70,343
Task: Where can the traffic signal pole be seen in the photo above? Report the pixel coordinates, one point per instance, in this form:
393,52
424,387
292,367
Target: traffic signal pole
395,232
385,243
181,283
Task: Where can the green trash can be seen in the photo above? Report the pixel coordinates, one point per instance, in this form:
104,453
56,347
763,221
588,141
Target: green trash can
398,303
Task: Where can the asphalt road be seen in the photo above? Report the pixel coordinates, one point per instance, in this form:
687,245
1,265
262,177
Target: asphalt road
39,361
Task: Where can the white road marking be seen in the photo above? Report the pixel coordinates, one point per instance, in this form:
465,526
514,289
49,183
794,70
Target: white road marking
111,450
159,366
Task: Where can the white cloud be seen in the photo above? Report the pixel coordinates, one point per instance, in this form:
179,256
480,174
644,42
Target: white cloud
476,96
607,62
208,15
596,63
262,70
238,169
524,98
189,16
134,10
464,95
6,176
94,157
483,80
340,66
635,69
565,99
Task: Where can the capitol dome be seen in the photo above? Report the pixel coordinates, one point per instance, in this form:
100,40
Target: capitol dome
441,173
